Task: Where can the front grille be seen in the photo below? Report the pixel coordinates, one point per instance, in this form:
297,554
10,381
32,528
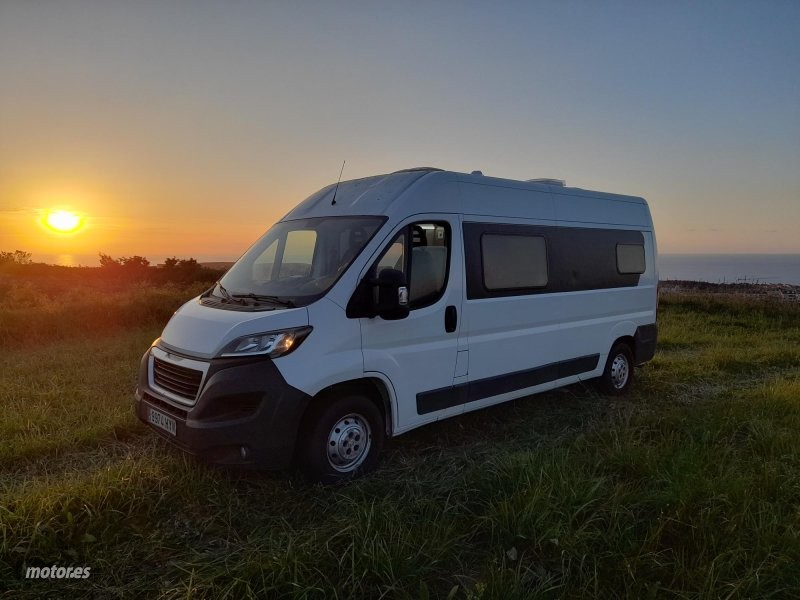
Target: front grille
180,381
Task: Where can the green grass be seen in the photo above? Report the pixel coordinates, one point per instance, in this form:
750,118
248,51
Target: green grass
687,488
58,397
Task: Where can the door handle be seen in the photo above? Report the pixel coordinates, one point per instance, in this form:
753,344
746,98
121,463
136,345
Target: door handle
450,319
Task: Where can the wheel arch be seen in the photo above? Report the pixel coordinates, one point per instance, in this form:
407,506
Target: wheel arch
628,340
371,387
625,332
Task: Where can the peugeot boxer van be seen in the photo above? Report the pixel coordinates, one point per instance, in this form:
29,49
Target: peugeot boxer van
382,304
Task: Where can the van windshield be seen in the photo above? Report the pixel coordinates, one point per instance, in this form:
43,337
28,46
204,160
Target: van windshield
296,262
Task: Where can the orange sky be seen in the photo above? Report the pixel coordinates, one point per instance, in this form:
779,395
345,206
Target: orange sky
188,132
124,222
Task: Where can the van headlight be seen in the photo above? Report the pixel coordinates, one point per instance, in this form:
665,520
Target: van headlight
272,343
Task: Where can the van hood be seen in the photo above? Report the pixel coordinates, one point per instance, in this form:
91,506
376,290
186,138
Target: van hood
202,331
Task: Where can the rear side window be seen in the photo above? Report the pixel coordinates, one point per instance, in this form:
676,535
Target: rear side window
512,259
512,262
630,258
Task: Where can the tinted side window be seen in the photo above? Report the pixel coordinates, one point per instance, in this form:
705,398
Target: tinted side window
630,258
512,262
564,259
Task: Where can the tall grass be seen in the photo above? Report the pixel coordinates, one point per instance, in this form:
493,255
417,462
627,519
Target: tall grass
31,315
687,488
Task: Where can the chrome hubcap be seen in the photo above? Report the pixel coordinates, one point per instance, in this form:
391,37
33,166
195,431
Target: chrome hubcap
348,443
619,371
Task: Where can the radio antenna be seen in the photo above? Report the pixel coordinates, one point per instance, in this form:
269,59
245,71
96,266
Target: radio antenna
336,189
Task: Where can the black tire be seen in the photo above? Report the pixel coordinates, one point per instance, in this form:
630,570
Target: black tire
341,439
618,375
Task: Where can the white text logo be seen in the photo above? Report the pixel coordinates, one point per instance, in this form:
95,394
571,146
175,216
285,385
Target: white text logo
55,572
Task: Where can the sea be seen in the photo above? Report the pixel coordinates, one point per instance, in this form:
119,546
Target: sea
715,268
93,260
731,268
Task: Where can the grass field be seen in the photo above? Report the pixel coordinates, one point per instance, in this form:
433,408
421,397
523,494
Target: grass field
687,488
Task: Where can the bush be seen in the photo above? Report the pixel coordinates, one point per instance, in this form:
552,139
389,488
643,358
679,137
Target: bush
29,315
41,302
18,257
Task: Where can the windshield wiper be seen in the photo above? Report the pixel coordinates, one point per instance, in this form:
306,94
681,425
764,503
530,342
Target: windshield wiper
274,299
226,295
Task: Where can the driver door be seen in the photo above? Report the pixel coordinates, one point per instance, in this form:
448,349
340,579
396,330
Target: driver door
417,354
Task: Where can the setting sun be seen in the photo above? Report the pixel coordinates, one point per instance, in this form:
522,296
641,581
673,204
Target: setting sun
63,221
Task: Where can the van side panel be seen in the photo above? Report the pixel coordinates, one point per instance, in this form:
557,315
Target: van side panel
526,341
601,209
513,341
509,340
495,199
593,319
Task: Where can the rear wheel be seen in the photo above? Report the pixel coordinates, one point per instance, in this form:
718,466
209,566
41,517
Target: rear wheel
618,375
342,439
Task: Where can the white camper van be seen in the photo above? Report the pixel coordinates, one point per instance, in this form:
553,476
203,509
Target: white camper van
381,304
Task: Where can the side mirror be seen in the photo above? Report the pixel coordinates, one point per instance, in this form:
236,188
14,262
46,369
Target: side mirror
391,295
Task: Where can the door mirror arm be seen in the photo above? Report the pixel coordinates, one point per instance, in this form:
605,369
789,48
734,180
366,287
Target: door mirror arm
391,295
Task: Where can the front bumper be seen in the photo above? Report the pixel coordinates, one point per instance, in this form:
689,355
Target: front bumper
245,414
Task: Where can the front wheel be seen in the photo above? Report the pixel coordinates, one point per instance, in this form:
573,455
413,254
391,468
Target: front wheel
342,439
618,374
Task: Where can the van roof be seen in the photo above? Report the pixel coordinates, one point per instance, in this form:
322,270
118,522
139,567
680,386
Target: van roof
383,194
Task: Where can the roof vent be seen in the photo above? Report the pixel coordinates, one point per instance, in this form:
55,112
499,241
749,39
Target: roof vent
548,181
477,173
414,170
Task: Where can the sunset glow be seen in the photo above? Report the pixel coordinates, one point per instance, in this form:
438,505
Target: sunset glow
146,162
63,221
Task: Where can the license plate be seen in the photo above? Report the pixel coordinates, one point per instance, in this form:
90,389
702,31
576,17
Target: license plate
161,421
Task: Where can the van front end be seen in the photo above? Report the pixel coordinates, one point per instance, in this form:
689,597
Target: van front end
210,384
222,380
228,411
